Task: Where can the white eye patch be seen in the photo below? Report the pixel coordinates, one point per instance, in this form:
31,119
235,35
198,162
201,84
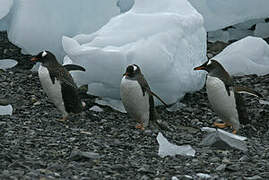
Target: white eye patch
44,53
135,68
209,62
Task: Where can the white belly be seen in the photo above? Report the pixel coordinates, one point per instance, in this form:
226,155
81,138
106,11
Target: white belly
223,104
133,100
53,91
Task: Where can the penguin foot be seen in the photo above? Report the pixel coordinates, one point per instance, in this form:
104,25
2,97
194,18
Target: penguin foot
140,126
63,119
221,125
234,132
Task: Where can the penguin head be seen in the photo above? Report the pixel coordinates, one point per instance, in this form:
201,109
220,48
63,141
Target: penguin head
44,57
211,66
132,71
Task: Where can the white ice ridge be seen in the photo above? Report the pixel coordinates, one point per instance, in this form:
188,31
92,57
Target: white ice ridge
165,38
168,149
246,56
5,7
35,25
219,13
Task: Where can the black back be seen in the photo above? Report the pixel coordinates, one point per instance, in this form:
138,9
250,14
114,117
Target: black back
133,72
69,89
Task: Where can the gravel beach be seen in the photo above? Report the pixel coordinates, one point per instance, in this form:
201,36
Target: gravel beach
106,145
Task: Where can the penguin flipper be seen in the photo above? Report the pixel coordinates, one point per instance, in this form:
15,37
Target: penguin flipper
153,94
74,67
241,89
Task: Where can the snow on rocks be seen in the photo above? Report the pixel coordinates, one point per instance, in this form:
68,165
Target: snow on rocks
165,38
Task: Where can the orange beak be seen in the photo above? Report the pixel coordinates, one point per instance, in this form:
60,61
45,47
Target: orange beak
198,68
34,59
126,74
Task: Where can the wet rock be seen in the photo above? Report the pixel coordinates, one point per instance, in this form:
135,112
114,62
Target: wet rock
221,167
256,177
78,155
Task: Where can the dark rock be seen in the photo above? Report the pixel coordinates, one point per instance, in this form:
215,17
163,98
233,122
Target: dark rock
77,155
256,177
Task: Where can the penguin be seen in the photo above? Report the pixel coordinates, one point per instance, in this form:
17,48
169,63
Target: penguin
224,96
137,97
58,83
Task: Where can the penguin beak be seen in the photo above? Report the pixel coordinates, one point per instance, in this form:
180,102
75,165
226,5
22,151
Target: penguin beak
126,74
34,59
199,68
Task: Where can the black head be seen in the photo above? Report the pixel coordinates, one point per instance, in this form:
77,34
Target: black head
132,71
211,66
44,57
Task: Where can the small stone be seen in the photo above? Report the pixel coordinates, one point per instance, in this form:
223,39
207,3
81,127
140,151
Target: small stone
226,161
144,177
203,176
174,178
221,167
96,109
214,159
253,177
37,103
78,155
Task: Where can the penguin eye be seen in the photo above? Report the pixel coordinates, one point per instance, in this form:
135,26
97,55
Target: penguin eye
44,53
209,63
134,68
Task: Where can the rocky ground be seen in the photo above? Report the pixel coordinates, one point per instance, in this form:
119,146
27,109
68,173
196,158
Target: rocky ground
105,145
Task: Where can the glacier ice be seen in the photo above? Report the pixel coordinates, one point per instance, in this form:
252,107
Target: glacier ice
125,5
235,32
4,10
6,110
165,38
5,7
168,149
35,25
262,30
246,56
219,14
7,63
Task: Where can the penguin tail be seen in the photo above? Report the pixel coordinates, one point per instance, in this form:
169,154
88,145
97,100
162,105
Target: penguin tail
240,89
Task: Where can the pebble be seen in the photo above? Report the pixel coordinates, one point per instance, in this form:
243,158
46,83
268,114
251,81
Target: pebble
221,167
134,149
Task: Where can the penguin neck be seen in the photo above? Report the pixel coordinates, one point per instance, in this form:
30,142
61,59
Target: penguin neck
49,64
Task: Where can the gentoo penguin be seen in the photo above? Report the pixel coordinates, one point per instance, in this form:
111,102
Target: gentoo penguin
137,97
58,84
224,97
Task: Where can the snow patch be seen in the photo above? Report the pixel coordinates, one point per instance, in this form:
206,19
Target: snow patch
6,110
7,63
168,149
